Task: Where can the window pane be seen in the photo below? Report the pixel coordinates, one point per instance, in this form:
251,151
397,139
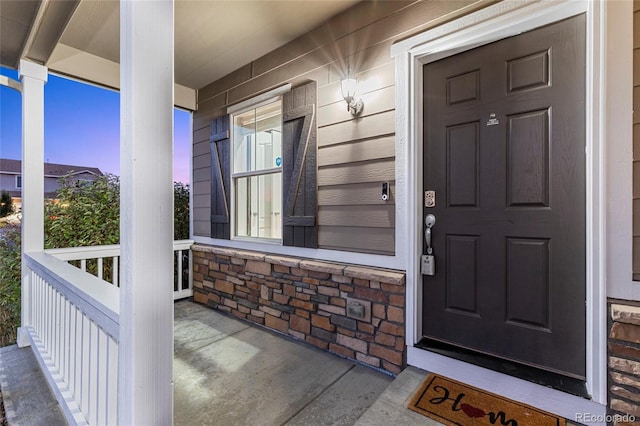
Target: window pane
269,136
244,129
259,206
257,143
243,225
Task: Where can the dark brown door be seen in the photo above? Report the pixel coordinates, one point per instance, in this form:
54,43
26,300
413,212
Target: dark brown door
504,151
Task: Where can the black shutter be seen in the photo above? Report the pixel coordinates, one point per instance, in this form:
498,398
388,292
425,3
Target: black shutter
220,178
299,169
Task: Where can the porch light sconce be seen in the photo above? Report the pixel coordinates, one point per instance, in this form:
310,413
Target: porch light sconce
349,85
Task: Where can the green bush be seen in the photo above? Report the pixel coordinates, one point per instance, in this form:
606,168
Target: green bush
6,204
84,214
9,283
180,211
89,214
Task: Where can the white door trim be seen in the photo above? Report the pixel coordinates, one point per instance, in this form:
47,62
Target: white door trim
487,25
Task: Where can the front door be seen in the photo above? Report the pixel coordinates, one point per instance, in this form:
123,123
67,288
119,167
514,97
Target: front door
504,153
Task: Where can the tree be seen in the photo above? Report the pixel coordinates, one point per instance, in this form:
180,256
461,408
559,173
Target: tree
6,204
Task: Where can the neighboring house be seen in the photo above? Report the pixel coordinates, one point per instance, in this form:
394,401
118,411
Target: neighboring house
11,177
477,218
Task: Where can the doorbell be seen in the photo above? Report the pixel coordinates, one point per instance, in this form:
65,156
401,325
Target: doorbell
385,191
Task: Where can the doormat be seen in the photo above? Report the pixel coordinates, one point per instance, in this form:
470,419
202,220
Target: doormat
454,403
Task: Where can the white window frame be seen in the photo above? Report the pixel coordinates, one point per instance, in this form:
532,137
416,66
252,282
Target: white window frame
237,109
19,179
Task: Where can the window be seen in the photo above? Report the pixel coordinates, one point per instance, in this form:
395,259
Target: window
257,172
264,169
18,181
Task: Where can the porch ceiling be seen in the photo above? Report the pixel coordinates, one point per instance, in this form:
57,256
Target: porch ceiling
80,38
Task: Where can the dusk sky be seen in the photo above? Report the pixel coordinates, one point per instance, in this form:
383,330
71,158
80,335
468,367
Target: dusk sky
82,126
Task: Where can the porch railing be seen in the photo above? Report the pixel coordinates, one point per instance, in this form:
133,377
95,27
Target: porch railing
72,302
74,331
104,262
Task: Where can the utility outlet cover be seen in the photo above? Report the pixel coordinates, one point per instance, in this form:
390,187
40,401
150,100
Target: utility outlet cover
359,309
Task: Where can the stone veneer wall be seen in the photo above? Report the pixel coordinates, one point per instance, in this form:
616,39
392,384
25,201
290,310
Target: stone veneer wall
624,358
307,299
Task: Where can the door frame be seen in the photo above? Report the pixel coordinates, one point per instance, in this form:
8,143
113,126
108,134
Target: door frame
490,24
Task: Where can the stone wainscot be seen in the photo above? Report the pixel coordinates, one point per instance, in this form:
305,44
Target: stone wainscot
624,358
354,311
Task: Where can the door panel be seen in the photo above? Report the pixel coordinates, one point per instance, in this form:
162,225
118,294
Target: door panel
504,149
462,279
528,159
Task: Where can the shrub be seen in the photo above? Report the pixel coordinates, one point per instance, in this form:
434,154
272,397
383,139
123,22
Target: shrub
180,211
9,283
82,215
6,204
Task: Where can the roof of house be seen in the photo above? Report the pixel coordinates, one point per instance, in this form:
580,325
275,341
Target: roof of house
50,169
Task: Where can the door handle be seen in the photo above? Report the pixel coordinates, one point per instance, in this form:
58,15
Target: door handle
427,262
429,221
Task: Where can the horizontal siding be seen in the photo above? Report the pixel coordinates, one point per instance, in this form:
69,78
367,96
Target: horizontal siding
636,101
368,149
636,142
201,228
202,175
368,81
220,86
202,208
375,102
8,182
362,194
201,161
380,216
287,72
636,222
202,135
367,59
213,107
376,240
363,128
201,188
366,171
201,148
355,155
203,200
362,16
636,67
201,214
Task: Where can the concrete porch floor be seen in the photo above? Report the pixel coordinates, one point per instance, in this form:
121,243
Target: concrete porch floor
227,372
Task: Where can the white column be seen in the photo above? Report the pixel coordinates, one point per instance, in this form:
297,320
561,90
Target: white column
33,78
145,369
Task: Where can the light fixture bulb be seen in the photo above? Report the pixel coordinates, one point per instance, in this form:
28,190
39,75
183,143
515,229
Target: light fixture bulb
349,86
